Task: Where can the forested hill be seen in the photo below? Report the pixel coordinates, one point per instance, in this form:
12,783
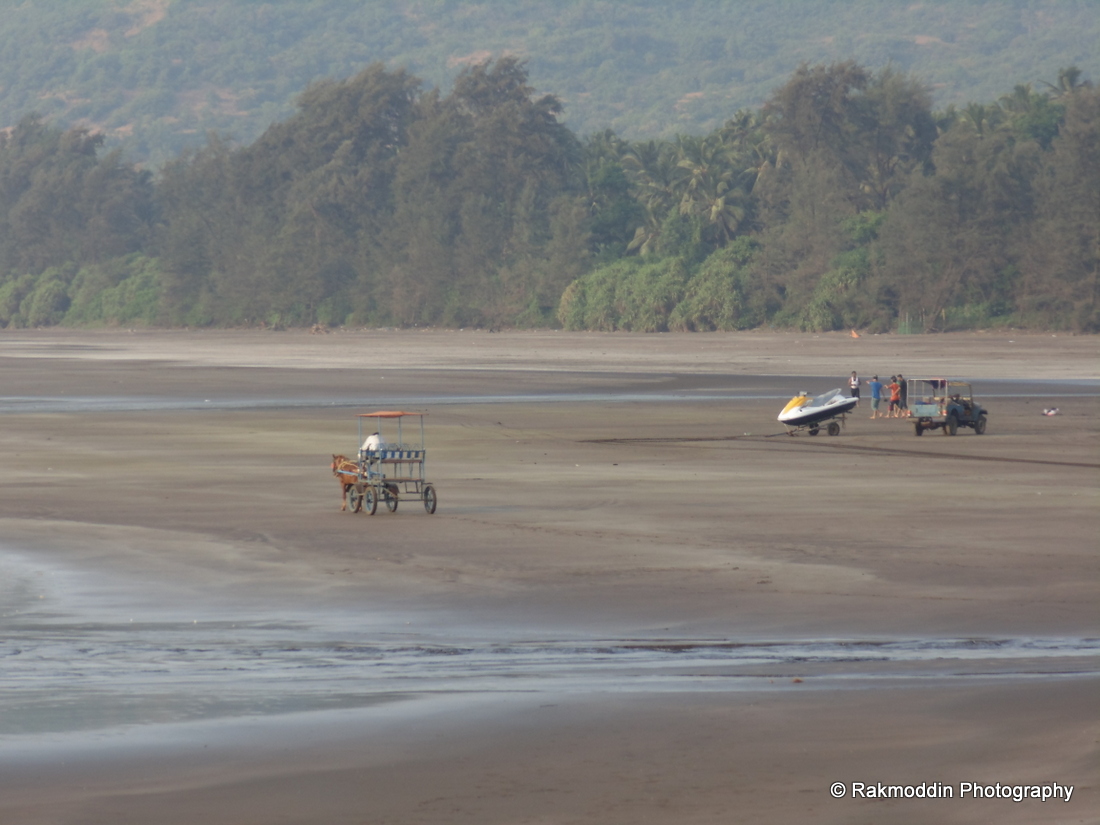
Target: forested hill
154,76
846,200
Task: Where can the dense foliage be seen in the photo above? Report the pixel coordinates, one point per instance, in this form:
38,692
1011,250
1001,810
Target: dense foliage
381,205
850,203
62,207
156,75
845,201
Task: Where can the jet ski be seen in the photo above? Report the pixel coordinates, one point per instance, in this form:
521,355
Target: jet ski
803,412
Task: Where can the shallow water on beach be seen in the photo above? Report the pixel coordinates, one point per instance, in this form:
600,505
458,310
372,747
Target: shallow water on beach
779,389
81,652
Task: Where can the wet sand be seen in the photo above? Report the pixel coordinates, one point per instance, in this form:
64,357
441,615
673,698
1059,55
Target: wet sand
591,486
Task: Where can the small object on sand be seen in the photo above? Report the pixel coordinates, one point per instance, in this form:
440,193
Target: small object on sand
1051,411
797,681
855,334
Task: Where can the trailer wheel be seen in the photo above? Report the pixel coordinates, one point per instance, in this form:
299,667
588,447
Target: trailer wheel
355,500
834,428
429,499
979,425
814,430
370,501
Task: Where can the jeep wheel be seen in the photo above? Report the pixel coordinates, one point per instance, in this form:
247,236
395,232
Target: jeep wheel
918,429
952,425
979,425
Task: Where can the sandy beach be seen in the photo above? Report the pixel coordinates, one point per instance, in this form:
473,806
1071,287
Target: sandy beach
639,599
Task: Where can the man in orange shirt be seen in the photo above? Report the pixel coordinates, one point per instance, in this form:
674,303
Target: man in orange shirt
895,397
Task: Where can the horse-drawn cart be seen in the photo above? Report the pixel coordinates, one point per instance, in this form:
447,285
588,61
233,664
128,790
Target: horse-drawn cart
386,471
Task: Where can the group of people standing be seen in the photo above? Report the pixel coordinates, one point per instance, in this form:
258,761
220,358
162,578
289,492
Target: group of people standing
898,402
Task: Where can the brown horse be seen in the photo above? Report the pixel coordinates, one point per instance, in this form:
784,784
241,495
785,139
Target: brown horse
347,471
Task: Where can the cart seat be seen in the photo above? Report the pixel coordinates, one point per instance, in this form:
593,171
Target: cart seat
387,454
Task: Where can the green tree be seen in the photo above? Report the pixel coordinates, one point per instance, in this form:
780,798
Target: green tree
61,203
722,294
1031,115
653,167
708,186
847,141
614,212
896,135
510,161
951,239
633,294
274,232
1061,269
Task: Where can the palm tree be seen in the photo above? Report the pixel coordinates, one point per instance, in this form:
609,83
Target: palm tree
983,119
709,186
1067,83
750,147
1021,101
652,168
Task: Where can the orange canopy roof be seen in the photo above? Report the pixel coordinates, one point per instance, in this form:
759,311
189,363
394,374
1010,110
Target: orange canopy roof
389,414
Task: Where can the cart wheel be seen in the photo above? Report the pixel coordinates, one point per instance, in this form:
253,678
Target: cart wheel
370,501
952,425
814,431
429,498
979,425
355,500
390,495
834,428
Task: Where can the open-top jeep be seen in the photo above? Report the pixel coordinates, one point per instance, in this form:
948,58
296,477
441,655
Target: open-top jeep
940,404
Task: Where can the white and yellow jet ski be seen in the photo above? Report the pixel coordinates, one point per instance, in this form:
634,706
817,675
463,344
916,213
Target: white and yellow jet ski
804,412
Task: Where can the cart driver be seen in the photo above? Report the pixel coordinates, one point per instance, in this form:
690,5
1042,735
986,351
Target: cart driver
373,442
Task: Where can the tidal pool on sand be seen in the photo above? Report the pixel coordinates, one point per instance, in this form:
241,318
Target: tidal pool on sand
71,659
